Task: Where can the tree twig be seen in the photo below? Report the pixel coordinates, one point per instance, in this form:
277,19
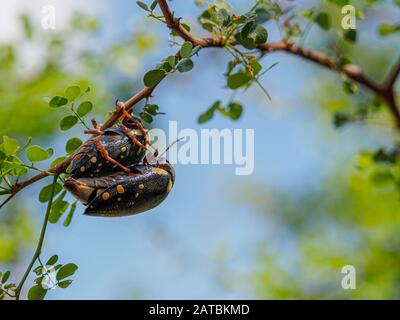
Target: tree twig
384,91
40,243
353,72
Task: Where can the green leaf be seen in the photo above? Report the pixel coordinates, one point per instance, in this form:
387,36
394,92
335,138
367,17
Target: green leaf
235,110
323,20
262,15
151,109
248,28
260,35
351,36
185,65
14,166
186,49
72,145
58,208
57,102
381,177
343,61
27,25
209,114
38,270
206,116
153,5
340,3
37,293
37,153
52,261
238,80
341,119
70,215
45,193
257,67
84,108
66,271
386,29
153,77
146,117
10,145
143,5
68,122
72,93
57,161
64,284
26,145
349,87
171,61
5,277
196,50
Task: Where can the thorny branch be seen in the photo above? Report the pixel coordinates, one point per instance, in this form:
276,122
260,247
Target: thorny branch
384,91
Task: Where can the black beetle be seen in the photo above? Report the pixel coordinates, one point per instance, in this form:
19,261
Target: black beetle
121,193
119,146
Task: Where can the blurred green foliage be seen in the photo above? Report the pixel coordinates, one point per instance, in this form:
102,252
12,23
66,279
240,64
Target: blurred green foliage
35,66
353,218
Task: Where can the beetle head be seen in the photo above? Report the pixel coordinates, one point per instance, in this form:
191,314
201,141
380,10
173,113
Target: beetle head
80,190
132,124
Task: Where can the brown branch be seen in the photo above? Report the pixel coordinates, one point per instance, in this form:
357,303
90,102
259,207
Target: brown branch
393,75
174,24
353,72
61,167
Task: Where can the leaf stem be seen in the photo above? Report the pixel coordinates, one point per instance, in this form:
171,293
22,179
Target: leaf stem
40,243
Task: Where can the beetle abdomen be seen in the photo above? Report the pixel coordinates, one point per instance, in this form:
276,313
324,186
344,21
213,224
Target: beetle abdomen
124,194
89,162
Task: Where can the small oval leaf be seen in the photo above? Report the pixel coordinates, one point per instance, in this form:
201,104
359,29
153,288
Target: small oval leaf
68,122
37,153
84,108
153,77
66,271
72,145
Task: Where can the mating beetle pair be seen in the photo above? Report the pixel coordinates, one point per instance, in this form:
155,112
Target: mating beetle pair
110,175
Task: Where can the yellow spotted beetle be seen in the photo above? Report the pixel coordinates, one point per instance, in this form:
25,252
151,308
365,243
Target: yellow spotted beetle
111,176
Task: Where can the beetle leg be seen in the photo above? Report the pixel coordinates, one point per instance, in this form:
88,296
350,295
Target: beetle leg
140,126
94,123
106,156
131,135
97,132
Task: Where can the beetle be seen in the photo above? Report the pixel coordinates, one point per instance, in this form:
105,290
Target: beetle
122,193
110,150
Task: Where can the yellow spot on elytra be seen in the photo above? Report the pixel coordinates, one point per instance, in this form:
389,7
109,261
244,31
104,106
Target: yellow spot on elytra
160,171
141,186
123,149
105,196
170,185
82,169
93,160
120,189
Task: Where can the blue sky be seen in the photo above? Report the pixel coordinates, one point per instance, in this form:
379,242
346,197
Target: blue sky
169,252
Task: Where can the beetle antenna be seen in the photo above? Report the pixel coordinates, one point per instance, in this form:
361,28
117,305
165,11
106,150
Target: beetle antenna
170,146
